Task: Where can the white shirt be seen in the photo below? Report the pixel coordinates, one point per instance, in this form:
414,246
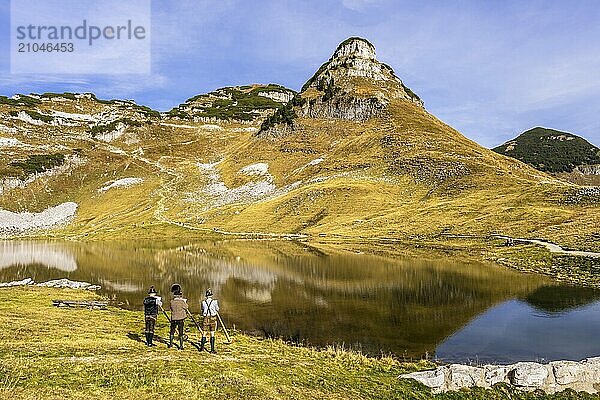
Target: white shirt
158,300
210,307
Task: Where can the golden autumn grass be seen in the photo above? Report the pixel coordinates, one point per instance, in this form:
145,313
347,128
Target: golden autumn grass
56,353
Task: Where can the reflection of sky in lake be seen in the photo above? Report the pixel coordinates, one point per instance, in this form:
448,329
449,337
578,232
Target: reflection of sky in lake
48,254
516,331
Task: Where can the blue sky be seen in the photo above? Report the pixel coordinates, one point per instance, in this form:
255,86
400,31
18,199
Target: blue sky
491,69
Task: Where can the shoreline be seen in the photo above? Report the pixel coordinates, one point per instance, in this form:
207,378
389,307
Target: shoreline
552,377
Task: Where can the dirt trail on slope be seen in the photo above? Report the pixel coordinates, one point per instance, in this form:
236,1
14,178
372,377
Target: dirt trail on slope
552,247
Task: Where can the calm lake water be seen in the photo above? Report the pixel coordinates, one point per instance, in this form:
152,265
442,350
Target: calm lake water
409,307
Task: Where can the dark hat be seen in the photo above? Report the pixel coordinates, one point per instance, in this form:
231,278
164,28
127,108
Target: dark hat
208,292
151,290
176,288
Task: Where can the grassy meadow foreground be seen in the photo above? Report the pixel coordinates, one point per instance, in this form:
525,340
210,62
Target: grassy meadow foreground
56,353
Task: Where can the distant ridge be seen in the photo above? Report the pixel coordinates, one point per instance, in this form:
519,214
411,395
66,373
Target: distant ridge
551,150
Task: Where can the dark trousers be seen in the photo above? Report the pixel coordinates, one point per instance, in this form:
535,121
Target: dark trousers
150,323
176,324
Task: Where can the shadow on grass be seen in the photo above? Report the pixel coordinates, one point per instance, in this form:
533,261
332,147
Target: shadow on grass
138,338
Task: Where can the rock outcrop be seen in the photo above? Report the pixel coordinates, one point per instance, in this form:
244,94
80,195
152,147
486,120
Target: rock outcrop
243,104
56,283
588,169
551,378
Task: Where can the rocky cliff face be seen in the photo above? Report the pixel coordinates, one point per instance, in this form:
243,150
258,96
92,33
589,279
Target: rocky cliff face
355,57
353,84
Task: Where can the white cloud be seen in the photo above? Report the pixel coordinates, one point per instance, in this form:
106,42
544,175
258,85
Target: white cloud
358,5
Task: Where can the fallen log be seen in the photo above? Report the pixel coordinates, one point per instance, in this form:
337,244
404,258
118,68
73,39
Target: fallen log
93,305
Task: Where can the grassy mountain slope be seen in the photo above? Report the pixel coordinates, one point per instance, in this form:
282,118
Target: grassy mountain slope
404,173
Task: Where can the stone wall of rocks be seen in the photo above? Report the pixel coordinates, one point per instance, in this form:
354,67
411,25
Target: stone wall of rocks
551,378
56,283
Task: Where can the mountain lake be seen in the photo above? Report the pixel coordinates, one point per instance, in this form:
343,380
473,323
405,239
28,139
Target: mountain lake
409,307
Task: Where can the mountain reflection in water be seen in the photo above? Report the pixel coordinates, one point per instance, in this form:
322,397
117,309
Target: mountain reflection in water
405,306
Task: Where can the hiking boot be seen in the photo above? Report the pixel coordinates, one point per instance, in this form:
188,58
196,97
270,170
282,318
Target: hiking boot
202,343
148,339
151,338
212,346
180,342
171,337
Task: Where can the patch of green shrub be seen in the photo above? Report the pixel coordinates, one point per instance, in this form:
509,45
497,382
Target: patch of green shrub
314,77
147,111
112,126
284,115
38,163
22,101
178,113
65,95
412,94
242,103
33,114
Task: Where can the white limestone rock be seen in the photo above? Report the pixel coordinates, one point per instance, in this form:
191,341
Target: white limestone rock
460,376
588,169
256,169
15,222
355,47
496,374
550,378
567,372
56,283
24,282
120,183
529,374
68,284
281,97
434,378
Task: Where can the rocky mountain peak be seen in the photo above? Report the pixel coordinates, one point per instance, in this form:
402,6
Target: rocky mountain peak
351,85
355,47
355,58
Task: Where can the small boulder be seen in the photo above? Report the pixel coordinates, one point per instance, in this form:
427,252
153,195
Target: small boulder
434,378
528,374
568,372
461,376
592,365
496,374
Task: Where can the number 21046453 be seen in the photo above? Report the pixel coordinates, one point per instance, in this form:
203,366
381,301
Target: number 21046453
26,47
